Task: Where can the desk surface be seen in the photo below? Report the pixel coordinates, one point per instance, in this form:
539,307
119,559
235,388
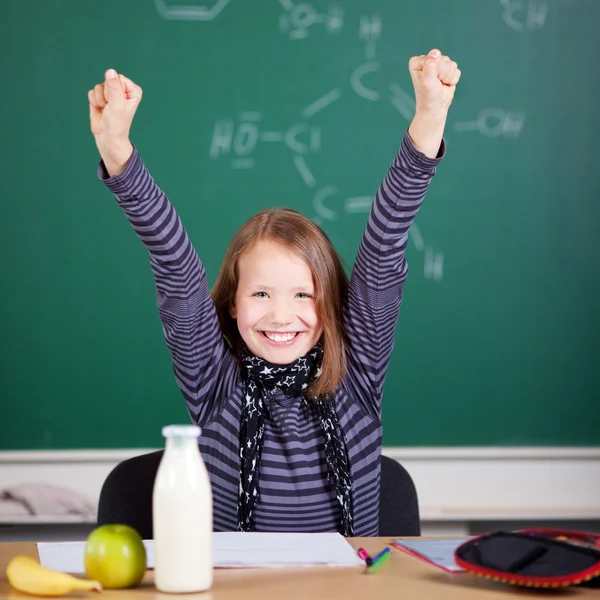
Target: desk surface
403,576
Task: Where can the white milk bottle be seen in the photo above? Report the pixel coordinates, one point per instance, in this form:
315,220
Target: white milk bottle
182,515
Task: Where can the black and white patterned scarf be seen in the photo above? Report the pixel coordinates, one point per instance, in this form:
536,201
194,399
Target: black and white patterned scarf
261,378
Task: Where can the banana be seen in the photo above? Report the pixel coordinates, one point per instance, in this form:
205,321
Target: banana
27,575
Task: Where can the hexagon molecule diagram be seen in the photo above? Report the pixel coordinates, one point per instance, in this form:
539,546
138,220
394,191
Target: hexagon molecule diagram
190,10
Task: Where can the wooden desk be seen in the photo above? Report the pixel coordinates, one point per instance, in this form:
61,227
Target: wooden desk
402,577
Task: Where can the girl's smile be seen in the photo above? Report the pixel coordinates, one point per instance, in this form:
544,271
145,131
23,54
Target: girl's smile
282,339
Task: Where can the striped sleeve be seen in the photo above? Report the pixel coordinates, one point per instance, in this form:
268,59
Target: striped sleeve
380,270
190,324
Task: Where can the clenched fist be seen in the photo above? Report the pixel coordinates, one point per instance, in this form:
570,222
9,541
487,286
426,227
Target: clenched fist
434,79
112,107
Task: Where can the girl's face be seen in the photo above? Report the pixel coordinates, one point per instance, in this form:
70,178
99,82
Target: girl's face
274,304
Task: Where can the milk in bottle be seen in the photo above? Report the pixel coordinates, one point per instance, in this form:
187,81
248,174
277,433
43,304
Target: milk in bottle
182,515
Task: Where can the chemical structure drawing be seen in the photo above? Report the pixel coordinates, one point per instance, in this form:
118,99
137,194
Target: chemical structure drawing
236,138
525,15
190,11
240,136
495,122
298,19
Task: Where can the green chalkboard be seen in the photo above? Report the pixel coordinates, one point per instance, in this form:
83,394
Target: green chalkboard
253,103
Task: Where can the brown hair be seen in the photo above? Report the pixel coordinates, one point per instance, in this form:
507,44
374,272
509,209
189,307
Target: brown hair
309,242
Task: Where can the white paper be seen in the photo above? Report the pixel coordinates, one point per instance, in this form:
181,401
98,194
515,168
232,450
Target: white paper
439,552
231,549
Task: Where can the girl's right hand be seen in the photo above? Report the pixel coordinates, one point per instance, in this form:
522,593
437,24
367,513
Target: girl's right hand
113,105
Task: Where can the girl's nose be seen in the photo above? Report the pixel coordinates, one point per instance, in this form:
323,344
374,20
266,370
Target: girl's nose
281,314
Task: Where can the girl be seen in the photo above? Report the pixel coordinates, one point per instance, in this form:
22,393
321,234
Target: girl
283,368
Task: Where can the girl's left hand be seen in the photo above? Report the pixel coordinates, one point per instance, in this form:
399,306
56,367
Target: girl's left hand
434,78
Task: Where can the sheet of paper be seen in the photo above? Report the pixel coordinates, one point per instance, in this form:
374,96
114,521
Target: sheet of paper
439,552
232,549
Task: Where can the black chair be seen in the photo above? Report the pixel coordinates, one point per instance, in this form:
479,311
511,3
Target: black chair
126,497
398,501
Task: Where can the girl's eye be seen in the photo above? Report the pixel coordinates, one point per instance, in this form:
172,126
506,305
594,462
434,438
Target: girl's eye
260,294
303,295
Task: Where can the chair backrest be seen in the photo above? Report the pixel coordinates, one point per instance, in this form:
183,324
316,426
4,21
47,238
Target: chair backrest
126,497
398,501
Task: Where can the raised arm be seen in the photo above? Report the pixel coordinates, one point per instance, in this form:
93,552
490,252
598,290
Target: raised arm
380,270
190,323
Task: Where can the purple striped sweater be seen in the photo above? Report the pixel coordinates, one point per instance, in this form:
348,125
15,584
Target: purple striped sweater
294,492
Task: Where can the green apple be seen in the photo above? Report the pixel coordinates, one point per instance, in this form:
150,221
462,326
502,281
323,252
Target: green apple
115,556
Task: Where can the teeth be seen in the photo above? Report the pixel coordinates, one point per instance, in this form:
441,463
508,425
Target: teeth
280,337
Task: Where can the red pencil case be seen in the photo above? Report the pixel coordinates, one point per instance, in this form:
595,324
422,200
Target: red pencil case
534,557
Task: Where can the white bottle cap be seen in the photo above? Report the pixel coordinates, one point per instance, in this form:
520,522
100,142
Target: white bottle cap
181,430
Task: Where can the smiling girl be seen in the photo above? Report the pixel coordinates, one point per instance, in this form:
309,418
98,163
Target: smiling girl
283,367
